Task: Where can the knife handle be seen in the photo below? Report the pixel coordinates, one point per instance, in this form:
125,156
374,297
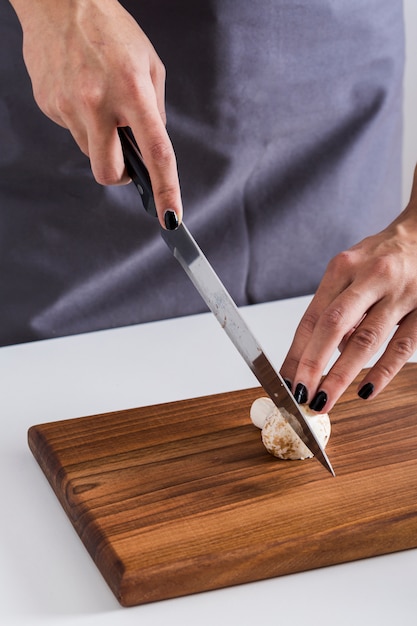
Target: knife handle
136,169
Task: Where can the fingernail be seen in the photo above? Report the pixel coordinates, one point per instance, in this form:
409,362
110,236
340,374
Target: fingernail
170,220
301,393
288,383
318,401
365,391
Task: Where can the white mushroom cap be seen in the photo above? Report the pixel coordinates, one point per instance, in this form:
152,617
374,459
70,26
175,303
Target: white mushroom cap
278,437
260,410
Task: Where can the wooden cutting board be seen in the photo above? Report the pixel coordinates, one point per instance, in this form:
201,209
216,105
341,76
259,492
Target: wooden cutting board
182,497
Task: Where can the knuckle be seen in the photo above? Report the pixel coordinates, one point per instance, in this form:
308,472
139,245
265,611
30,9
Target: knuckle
166,194
106,175
366,338
41,99
92,96
342,262
62,105
338,378
308,323
403,347
163,114
288,372
333,318
385,370
161,152
383,268
93,102
290,364
311,365
159,70
134,87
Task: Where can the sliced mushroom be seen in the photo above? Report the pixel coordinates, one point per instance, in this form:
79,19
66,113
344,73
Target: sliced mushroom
279,438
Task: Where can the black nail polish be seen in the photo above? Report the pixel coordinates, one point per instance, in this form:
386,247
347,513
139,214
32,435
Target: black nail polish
301,393
288,383
365,391
318,402
171,220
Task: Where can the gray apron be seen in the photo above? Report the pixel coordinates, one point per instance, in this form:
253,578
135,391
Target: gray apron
286,121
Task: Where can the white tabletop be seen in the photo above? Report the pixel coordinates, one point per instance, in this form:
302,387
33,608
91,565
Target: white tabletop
46,574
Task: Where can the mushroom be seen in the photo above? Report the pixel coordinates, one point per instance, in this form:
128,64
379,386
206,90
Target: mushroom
281,439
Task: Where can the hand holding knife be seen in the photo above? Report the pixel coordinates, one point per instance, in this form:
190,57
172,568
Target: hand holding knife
191,258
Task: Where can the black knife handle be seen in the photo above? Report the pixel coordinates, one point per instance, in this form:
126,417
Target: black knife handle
136,169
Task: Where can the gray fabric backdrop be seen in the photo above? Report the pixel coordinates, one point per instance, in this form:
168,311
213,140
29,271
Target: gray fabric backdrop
286,121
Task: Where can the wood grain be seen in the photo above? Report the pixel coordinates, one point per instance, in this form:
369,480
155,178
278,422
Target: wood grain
179,498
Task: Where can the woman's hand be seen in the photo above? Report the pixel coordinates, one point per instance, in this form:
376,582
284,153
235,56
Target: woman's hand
365,292
93,69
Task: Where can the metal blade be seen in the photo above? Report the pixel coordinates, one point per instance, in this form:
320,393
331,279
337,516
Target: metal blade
187,252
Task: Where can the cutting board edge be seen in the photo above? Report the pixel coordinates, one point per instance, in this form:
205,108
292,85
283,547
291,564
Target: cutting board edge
236,569
94,540
122,582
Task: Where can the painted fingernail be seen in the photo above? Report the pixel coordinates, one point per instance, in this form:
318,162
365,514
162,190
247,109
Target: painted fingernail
301,393
170,220
318,402
365,391
288,383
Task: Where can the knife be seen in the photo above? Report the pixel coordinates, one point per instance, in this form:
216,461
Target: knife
208,284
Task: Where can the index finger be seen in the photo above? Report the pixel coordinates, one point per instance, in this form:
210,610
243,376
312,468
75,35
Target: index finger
159,157
335,321
326,293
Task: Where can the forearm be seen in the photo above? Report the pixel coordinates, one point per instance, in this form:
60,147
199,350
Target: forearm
27,11
31,13
44,16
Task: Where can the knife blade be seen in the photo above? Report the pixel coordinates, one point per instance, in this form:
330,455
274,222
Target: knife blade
187,252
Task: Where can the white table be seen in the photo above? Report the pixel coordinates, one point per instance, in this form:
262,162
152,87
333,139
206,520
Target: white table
47,576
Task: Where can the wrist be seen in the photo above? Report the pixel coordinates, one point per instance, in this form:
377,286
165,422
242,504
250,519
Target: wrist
31,11
411,209
28,12
406,222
